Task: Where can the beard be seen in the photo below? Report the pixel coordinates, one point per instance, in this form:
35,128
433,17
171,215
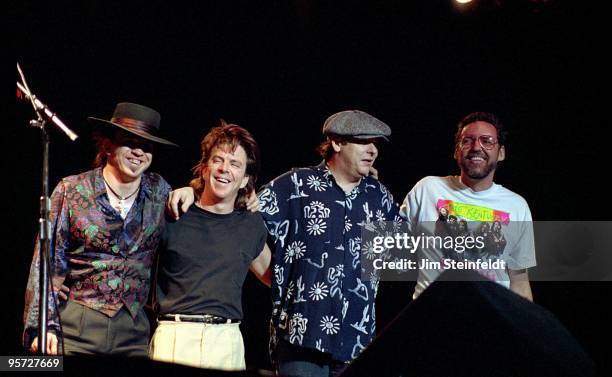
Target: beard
475,172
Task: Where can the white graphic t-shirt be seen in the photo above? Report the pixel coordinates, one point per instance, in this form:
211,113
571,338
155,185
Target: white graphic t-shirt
444,206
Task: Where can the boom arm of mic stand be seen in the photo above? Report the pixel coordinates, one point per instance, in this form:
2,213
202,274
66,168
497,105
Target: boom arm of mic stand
50,114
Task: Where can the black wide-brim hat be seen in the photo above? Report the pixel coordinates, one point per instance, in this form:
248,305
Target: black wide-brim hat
137,119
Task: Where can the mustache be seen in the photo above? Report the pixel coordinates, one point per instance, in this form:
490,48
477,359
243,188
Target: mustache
477,154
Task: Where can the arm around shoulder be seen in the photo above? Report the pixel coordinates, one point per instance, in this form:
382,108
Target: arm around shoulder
184,196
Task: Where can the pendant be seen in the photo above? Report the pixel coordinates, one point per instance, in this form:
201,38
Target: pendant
120,207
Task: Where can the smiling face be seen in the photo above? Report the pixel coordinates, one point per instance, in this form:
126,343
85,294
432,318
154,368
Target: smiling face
477,163
228,166
129,155
225,174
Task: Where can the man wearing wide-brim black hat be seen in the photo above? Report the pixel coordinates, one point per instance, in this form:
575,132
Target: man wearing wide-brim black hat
106,226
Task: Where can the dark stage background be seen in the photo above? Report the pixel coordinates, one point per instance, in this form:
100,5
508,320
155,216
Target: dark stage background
279,68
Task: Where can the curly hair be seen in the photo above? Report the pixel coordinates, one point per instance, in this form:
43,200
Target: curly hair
326,150
104,145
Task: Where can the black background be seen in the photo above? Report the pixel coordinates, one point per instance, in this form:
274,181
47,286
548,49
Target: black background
279,68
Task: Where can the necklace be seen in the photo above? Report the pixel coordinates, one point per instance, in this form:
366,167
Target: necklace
117,195
121,206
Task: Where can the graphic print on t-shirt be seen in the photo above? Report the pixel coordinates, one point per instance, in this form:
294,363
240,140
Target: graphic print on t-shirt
455,219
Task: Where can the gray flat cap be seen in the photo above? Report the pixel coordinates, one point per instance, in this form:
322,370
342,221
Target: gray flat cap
357,124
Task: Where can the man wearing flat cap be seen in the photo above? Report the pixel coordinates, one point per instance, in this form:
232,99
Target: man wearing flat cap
323,313
106,226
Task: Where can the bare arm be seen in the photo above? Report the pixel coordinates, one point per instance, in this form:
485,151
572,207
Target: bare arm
519,283
184,196
261,266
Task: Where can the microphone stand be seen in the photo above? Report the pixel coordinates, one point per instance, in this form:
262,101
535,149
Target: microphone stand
45,208
45,242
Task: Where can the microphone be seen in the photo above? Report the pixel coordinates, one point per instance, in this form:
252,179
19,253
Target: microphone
39,105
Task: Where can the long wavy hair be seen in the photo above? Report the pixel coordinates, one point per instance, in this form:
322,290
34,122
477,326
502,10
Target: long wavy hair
233,136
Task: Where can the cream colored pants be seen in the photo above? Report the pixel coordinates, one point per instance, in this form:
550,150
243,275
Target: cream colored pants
199,345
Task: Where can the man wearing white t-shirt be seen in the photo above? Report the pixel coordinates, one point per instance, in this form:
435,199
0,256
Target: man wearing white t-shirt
499,216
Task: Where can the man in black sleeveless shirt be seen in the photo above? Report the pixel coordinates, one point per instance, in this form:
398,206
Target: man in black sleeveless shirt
205,256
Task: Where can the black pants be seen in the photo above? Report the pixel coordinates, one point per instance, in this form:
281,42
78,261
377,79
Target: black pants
296,361
89,332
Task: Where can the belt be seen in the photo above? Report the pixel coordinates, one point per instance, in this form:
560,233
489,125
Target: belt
205,318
